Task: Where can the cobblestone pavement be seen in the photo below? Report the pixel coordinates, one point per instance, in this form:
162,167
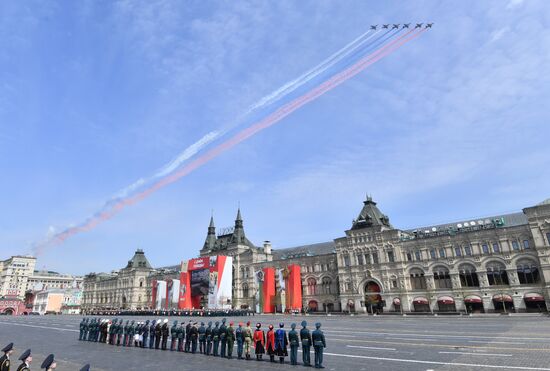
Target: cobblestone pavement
353,343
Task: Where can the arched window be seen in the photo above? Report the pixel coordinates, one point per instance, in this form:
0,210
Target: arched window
528,273
245,290
442,278
327,282
311,286
418,281
496,274
468,276
242,272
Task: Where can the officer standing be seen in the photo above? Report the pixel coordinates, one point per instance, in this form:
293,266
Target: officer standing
126,328
209,339
173,335
194,337
119,332
5,359
49,363
202,339
239,337
247,337
82,326
188,336
152,329
305,336
131,333
181,336
294,343
158,334
165,332
259,342
230,339
216,338
281,342
26,357
112,328
91,330
223,338
145,330
318,345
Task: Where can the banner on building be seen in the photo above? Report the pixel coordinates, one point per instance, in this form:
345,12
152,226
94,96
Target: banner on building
220,293
160,302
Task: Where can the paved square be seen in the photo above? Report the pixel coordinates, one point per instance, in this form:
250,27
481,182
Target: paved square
353,343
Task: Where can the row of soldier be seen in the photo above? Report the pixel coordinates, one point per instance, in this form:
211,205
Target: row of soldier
49,363
216,339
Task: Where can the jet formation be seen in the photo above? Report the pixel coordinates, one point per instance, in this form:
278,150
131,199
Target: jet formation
396,26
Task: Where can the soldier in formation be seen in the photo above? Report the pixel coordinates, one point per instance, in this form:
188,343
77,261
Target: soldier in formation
5,359
207,339
49,363
26,357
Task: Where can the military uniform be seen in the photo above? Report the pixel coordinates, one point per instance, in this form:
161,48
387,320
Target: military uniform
25,366
209,339
202,339
281,343
131,333
247,337
119,332
82,326
173,336
230,339
181,337
240,340
165,331
294,342
126,327
5,359
216,338
305,336
49,363
194,338
188,337
259,342
158,334
318,345
223,338
145,330
152,334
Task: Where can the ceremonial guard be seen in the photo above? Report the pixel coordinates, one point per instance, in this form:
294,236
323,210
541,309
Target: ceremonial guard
281,343
173,335
145,330
247,336
194,337
202,339
112,331
318,345
165,331
223,338
259,342
270,343
239,337
209,339
119,332
91,330
82,327
126,334
181,336
188,337
305,336
158,334
26,357
103,329
5,359
294,342
152,329
230,339
138,336
131,333
216,338
49,363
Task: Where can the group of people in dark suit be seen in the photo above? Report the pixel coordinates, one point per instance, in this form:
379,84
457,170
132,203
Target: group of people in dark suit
26,360
218,339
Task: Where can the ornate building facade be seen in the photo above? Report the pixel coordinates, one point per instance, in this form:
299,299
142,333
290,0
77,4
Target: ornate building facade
495,264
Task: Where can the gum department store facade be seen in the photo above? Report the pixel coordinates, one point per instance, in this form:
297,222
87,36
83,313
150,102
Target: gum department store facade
493,264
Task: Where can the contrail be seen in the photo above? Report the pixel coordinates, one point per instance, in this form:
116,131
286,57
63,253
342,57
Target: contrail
118,204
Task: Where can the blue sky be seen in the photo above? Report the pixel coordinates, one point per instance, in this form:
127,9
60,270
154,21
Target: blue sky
96,94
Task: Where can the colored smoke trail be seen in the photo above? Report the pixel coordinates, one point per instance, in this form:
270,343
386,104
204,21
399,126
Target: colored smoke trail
119,204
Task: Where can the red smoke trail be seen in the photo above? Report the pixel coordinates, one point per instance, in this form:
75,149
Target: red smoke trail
270,120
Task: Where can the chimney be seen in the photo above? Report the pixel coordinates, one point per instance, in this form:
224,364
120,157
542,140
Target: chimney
267,247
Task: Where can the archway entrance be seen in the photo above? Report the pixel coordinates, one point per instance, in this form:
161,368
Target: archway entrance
474,304
373,300
503,303
534,302
9,311
312,306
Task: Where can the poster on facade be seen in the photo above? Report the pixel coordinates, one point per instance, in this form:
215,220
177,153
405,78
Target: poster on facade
161,295
200,280
173,294
221,282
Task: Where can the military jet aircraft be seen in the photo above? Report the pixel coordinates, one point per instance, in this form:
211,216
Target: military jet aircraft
429,25
406,25
419,25
386,26
395,26
373,27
